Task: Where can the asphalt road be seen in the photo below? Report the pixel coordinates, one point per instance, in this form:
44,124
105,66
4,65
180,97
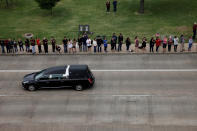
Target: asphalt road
161,97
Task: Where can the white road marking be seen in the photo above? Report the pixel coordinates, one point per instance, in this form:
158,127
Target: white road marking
131,95
124,70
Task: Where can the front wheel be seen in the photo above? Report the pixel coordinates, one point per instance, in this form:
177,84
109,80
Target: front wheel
31,88
78,87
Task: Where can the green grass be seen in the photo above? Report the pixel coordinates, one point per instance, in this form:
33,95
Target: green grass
164,16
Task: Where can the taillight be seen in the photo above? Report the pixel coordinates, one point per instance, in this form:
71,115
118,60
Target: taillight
90,81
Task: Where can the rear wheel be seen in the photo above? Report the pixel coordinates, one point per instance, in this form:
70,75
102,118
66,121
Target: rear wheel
31,88
78,87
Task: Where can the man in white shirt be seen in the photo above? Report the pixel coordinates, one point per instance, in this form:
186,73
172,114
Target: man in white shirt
176,42
89,45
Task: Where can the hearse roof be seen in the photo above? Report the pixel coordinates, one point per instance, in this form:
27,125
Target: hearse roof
78,67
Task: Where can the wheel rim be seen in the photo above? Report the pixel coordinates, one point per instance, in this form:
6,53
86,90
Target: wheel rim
31,88
78,87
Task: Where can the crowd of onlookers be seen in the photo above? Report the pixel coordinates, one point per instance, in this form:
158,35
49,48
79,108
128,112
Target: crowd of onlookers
85,44
99,44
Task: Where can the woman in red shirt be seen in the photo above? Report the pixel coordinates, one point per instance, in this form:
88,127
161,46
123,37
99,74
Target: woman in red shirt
39,45
158,43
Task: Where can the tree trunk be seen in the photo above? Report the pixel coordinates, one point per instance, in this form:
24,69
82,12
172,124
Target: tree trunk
51,11
7,4
142,6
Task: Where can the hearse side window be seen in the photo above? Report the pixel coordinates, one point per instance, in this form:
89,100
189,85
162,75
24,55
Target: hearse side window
44,77
56,76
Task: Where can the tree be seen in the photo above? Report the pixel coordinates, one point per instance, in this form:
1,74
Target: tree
142,6
47,4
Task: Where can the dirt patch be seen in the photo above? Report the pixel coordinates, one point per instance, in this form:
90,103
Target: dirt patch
183,28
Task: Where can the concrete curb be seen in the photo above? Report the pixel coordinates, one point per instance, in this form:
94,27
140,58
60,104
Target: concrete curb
123,53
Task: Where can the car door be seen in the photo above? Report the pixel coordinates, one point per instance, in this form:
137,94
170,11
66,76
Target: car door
43,81
66,81
55,80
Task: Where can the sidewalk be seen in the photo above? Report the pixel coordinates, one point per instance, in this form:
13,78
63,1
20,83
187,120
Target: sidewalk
132,47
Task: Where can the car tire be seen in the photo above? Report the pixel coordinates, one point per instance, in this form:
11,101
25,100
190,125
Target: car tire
78,87
31,88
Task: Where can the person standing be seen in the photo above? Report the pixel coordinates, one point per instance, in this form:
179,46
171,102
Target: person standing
190,44
89,45
74,45
165,41
70,46
152,44
182,41
113,44
128,43
27,45
45,44
120,42
99,43
80,39
53,43
170,42
15,46
114,40
95,45
136,41
65,43
85,37
115,2
176,42
143,47
2,46
108,5
194,30
105,44
158,43
33,44
39,45
20,43
7,45
11,45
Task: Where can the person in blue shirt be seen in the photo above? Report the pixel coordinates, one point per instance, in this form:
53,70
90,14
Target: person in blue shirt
115,5
105,44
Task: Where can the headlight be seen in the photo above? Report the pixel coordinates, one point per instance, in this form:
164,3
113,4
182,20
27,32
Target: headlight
25,82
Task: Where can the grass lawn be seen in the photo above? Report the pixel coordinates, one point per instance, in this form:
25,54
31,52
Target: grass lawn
164,16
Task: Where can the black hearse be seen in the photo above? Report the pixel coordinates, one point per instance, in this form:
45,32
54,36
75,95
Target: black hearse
78,77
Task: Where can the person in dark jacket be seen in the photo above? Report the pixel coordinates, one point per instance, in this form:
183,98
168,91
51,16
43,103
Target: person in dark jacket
120,42
20,43
53,43
2,46
65,44
99,43
80,40
45,44
128,43
27,45
152,44
115,5
85,37
11,46
108,5
115,39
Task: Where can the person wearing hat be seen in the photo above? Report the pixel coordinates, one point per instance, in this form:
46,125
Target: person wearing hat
194,30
